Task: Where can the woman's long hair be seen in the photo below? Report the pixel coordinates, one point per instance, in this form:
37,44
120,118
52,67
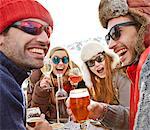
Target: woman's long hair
103,87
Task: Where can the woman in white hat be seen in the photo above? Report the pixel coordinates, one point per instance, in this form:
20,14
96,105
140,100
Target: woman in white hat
105,83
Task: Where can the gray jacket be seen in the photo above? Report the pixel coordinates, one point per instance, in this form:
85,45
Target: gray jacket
142,120
117,116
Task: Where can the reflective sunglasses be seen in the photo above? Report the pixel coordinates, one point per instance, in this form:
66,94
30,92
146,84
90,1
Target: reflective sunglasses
99,59
32,27
64,59
115,31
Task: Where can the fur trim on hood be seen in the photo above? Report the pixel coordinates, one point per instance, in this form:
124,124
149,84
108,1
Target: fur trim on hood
93,47
138,9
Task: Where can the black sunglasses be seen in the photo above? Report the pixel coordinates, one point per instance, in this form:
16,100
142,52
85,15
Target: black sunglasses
64,59
115,33
33,28
99,58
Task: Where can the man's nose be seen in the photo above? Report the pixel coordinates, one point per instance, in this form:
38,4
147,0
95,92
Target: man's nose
112,43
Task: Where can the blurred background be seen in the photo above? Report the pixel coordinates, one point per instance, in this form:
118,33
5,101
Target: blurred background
75,22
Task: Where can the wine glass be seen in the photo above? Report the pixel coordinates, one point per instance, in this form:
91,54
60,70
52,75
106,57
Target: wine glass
75,76
79,100
47,68
61,96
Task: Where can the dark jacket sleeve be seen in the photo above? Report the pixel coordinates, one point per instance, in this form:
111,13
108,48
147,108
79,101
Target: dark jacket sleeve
40,98
12,108
117,117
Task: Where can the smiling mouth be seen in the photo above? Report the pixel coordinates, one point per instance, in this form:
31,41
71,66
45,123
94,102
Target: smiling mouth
59,69
122,52
37,51
100,70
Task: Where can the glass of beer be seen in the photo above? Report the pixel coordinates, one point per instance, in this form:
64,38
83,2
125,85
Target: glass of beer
75,76
33,116
79,100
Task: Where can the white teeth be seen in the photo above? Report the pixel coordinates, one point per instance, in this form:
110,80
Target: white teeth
121,51
35,50
60,68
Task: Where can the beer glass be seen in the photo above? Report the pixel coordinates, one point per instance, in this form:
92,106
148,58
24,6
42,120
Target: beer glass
79,100
33,116
75,76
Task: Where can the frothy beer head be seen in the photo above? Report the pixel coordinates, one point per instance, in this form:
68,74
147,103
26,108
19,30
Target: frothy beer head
79,100
79,93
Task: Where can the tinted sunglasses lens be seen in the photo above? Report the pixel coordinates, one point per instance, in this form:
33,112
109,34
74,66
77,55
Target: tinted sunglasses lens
56,60
100,58
65,60
31,27
90,63
115,33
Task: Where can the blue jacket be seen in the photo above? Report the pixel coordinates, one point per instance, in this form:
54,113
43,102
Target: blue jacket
12,102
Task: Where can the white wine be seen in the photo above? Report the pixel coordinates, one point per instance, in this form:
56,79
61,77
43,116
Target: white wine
47,68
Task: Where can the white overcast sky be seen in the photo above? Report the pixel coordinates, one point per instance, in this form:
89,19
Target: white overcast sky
74,20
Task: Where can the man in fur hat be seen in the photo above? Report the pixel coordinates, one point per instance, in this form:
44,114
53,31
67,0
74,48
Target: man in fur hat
128,22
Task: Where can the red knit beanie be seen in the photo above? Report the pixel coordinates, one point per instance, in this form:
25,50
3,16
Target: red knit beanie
16,10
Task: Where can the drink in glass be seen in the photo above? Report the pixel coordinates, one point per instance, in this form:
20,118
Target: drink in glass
47,68
75,76
33,116
79,100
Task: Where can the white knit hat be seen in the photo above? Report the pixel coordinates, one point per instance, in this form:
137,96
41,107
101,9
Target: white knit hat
91,49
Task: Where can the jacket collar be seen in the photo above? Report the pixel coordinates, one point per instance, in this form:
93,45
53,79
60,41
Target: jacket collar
131,71
18,73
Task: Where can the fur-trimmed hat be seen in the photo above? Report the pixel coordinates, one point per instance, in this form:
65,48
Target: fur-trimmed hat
91,49
139,10
15,10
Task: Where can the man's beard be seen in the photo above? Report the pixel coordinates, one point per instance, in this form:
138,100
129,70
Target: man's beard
134,60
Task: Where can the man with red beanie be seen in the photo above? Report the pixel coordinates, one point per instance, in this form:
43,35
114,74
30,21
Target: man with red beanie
128,22
25,28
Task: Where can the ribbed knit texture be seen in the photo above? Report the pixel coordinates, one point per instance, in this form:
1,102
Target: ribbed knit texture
15,10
